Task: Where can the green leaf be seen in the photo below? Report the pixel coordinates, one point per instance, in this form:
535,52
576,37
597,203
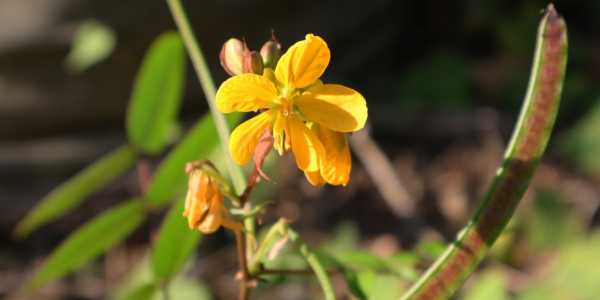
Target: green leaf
489,286
582,143
573,274
370,285
71,193
551,223
92,43
174,244
199,143
89,241
157,94
143,292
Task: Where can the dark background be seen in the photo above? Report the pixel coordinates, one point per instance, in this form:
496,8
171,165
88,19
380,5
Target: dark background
444,81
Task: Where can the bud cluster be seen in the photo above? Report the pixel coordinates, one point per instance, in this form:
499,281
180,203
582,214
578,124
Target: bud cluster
236,58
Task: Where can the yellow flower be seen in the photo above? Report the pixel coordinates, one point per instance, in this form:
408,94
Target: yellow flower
204,204
303,114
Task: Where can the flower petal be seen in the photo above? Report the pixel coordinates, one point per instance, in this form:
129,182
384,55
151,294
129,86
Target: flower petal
303,63
305,144
214,216
336,164
245,137
245,92
196,204
314,178
334,106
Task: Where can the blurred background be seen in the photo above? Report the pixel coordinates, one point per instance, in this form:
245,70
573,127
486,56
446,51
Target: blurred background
444,83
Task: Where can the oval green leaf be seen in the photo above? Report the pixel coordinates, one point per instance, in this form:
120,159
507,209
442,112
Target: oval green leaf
89,241
71,193
174,244
199,143
157,94
142,292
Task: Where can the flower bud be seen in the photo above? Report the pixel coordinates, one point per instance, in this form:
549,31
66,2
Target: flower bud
252,62
232,56
204,206
270,53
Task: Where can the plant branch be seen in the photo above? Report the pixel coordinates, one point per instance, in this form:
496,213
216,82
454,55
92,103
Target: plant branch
208,87
522,156
314,263
241,246
278,230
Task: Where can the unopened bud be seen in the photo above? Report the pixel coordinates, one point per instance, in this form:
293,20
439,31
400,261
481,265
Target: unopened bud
252,62
271,52
232,56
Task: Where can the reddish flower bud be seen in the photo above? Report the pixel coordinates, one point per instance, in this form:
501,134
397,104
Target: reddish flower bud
271,52
232,56
252,62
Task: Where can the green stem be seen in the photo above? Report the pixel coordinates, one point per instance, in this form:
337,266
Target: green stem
314,263
276,231
208,87
526,148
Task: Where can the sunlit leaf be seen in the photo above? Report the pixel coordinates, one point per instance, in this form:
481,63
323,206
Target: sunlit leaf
582,143
174,244
143,292
157,94
71,193
92,43
370,285
199,143
551,222
489,286
89,241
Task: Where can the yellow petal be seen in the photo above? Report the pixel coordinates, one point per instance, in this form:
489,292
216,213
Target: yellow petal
244,138
196,202
305,144
213,218
334,106
336,164
245,92
314,178
303,63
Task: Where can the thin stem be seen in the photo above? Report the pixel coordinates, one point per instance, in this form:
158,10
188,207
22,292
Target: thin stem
314,263
241,246
276,231
523,154
291,272
208,87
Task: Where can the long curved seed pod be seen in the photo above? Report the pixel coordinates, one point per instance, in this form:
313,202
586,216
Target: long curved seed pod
526,147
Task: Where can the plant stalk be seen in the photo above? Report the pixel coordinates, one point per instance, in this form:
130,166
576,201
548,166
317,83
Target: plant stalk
522,156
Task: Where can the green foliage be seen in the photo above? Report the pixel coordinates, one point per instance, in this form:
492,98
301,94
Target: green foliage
490,285
174,244
89,241
574,275
142,292
157,95
139,284
582,143
551,222
199,143
92,43
71,193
